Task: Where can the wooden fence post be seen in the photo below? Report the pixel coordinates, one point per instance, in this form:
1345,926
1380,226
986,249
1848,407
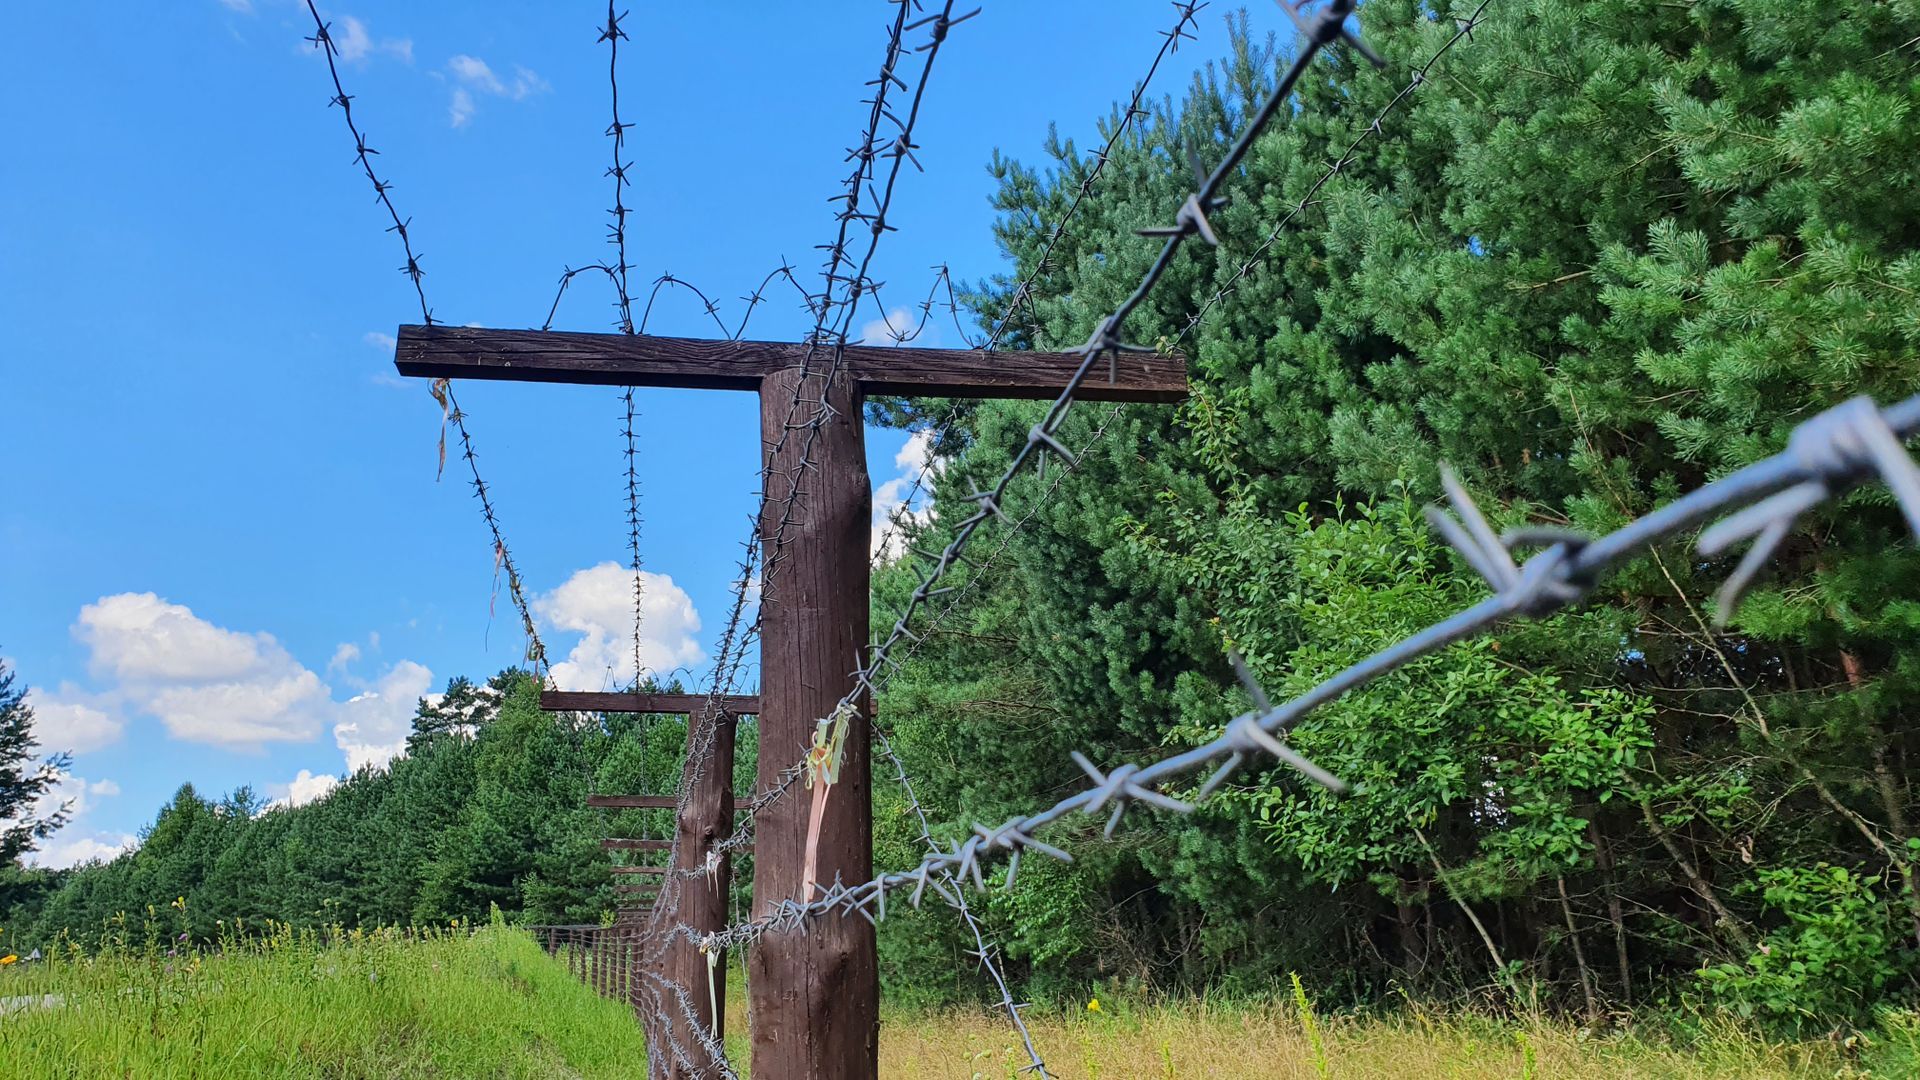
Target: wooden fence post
815,994
705,819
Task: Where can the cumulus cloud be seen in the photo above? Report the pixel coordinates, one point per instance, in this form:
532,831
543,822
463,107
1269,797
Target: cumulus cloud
473,75
374,724
67,850
597,603
378,340
140,636
209,684
103,788
899,495
302,789
67,721
205,683
900,327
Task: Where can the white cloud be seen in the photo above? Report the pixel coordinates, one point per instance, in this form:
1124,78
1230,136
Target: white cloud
378,340
67,723
597,603
345,654
140,636
354,43
268,706
899,495
206,683
900,327
209,684
461,109
67,850
73,845
302,789
374,725
475,75
244,7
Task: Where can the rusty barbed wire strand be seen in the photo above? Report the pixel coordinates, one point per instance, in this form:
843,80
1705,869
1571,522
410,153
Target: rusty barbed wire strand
442,389
981,947
613,35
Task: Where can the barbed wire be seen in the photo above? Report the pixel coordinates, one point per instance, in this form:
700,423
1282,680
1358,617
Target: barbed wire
613,35
827,331
1463,31
1106,342
1022,293
442,389
1825,456
764,546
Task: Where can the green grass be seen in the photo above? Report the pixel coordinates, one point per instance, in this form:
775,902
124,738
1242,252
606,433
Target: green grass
491,1004
382,1004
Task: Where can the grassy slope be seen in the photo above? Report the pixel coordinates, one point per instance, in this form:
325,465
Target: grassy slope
492,1005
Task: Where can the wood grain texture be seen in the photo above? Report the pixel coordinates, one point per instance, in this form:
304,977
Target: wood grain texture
619,870
815,995
460,352
670,704
701,901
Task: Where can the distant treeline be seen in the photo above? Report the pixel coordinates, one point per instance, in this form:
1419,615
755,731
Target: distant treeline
487,806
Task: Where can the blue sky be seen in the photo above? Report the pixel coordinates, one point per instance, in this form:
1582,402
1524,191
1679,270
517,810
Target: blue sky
224,557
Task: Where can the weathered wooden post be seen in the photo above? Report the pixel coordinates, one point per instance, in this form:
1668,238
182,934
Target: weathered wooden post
814,995
700,890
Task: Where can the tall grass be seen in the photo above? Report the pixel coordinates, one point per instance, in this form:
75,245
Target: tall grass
1277,1041
374,1004
492,1004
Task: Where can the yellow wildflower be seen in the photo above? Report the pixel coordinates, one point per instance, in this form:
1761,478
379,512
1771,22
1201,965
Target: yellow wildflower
1094,1005
8,959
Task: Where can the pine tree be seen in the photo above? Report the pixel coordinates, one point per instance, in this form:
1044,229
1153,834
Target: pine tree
23,783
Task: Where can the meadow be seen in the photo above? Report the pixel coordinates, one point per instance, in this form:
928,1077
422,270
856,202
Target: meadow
490,1003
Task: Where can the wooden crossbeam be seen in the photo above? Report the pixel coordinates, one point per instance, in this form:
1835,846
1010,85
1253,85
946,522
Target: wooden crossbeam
677,704
650,890
637,802
639,869
462,352
624,844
